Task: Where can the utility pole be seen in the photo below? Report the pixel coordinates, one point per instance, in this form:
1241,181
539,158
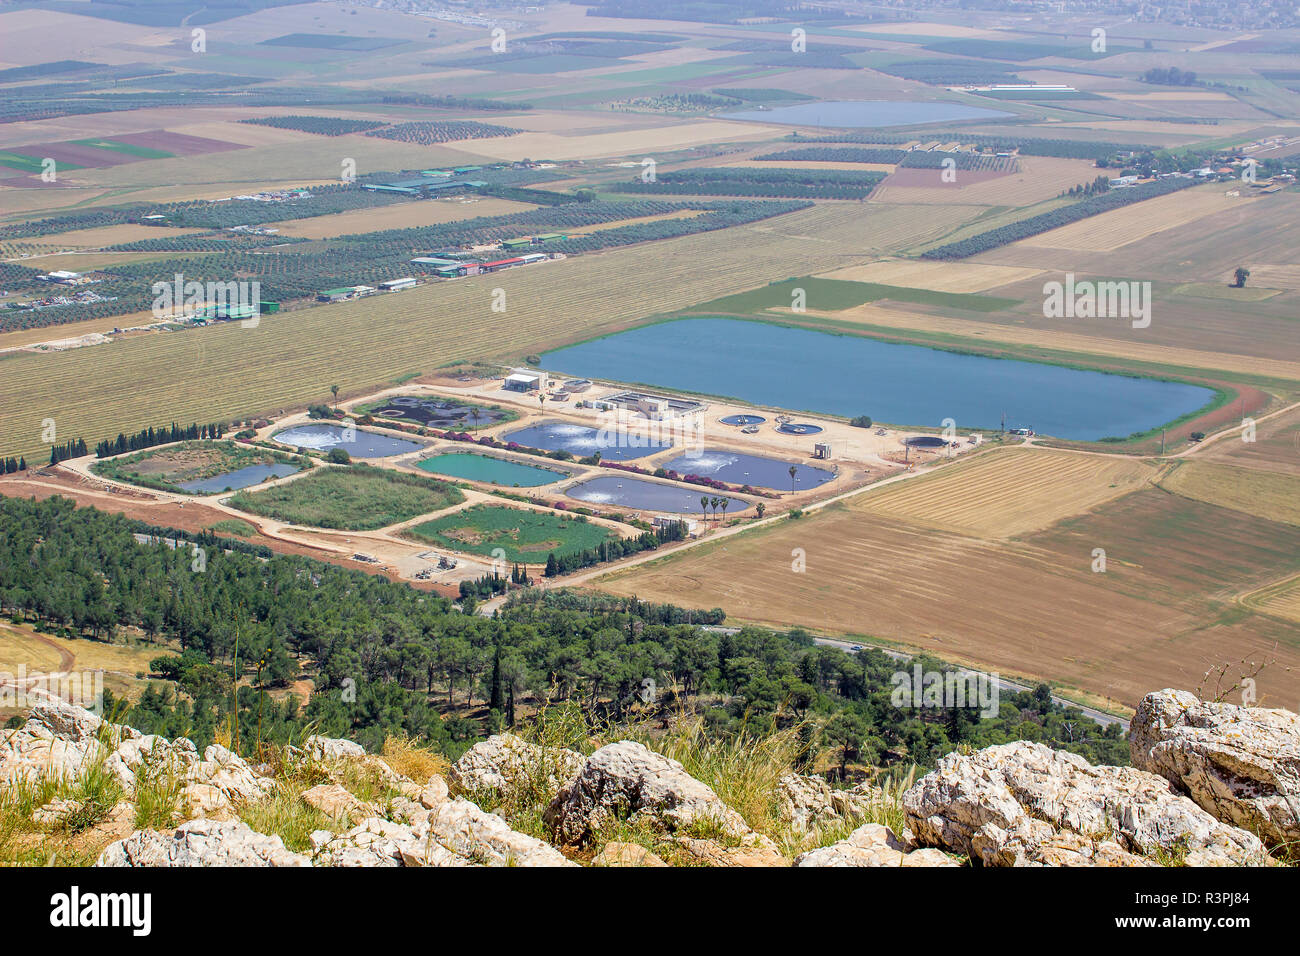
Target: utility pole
1162,443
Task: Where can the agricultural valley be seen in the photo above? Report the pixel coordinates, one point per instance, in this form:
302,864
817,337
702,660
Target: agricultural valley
435,384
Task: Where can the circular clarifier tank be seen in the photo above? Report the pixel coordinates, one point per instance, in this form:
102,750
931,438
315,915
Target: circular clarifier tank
799,428
743,420
925,441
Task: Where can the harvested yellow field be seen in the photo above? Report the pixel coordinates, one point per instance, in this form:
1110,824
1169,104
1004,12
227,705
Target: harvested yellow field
1039,179
1280,600
1003,494
1265,494
1115,229
1275,276
111,235
938,276
425,212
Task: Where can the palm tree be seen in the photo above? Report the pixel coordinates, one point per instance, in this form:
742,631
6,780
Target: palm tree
335,390
713,503
474,414
704,506
793,470
725,502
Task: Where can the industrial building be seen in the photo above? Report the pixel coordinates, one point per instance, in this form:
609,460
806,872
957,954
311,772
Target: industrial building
344,293
655,408
396,285
525,381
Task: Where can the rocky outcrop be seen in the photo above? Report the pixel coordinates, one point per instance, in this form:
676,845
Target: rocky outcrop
1241,764
334,801
625,781
58,741
505,763
1025,804
454,833
810,802
463,829
201,843
873,845
615,853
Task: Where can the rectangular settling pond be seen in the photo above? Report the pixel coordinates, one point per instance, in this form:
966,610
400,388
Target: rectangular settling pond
648,495
497,471
848,375
736,468
239,478
583,441
361,443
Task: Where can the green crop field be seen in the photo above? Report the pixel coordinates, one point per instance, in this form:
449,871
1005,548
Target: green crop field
356,498
144,152
527,536
832,295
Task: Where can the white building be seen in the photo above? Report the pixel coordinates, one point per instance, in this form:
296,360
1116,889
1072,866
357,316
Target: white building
525,382
393,285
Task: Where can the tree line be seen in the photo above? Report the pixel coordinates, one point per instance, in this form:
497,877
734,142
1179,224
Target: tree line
386,658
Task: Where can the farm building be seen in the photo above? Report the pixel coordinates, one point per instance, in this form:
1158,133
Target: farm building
525,381
230,313
396,285
433,261
63,277
661,521
344,293
516,243
500,264
548,237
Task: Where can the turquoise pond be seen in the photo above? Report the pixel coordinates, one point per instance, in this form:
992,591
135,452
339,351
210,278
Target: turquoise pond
497,471
910,385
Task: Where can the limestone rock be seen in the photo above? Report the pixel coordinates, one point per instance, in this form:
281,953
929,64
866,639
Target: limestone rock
809,802
373,842
505,763
1241,764
230,774
57,741
626,781
752,850
201,843
335,801
205,801
55,812
1023,804
434,792
332,748
626,854
460,827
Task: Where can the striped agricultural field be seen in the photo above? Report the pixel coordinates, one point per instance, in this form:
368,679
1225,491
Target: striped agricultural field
1004,494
